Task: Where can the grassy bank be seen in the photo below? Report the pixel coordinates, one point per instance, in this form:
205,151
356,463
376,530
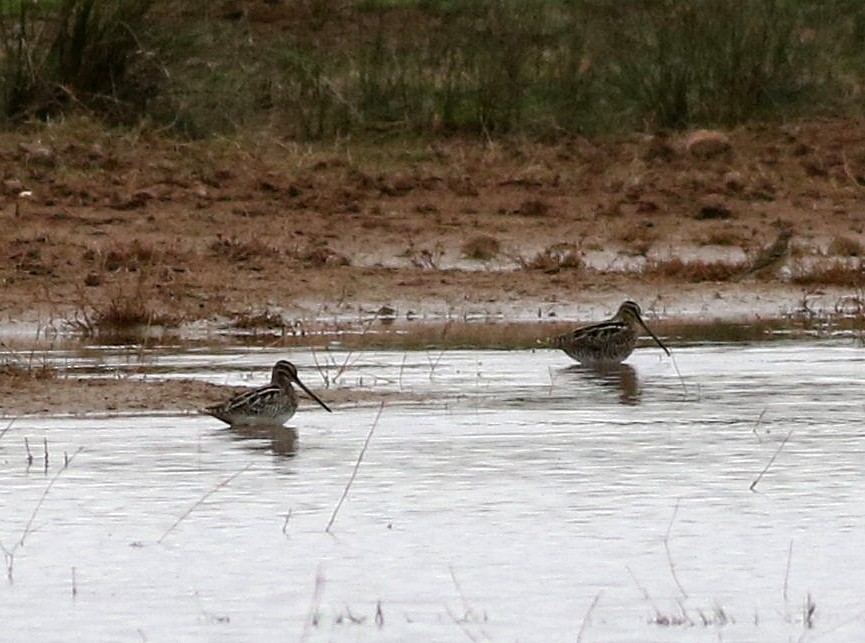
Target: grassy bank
319,69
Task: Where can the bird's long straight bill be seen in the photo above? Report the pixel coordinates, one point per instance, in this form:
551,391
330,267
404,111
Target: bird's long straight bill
655,337
313,396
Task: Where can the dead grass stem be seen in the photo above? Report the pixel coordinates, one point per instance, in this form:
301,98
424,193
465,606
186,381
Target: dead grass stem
355,470
9,553
834,272
669,555
771,460
201,501
554,258
844,246
695,270
481,247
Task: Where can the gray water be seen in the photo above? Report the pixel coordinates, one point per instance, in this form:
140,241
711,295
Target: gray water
504,496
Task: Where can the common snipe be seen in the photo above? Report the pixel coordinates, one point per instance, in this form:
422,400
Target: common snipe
270,405
607,342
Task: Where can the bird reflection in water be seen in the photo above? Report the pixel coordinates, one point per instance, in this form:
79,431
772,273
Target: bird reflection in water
282,440
620,377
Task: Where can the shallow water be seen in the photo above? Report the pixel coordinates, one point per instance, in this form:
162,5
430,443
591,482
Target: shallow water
523,499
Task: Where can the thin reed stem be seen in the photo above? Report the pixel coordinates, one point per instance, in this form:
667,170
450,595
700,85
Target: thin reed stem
775,455
201,501
356,467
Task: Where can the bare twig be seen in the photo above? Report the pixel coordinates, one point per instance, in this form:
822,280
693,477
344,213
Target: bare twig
587,615
808,610
312,614
846,164
356,467
669,556
643,590
399,379
787,571
379,615
9,554
775,455
321,370
285,524
826,632
7,427
27,529
434,364
757,424
679,373
466,606
469,614
201,501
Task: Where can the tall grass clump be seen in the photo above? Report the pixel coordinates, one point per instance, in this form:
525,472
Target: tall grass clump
467,69
323,69
72,52
675,64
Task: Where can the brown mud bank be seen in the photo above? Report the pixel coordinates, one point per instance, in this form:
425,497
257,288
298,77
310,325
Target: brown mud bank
104,230
411,244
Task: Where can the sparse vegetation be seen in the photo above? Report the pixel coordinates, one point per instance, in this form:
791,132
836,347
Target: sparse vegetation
265,319
70,54
539,67
555,258
846,247
638,238
481,247
133,256
128,312
695,270
240,250
724,237
21,370
832,272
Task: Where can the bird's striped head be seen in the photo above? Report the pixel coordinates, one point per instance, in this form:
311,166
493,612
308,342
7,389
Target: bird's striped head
283,371
630,313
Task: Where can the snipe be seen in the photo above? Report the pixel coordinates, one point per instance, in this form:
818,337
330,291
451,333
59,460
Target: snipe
607,342
270,405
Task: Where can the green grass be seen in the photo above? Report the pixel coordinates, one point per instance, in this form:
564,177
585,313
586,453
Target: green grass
327,69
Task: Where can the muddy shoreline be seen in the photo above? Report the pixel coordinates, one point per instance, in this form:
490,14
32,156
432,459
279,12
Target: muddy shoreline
106,236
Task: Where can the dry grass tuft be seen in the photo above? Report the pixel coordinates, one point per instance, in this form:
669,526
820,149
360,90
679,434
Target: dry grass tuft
15,370
638,238
128,311
320,255
481,247
555,258
240,251
533,208
846,247
722,237
695,270
253,321
134,256
124,312
831,273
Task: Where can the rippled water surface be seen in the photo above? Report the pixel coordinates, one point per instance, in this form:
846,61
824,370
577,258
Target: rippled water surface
504,496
